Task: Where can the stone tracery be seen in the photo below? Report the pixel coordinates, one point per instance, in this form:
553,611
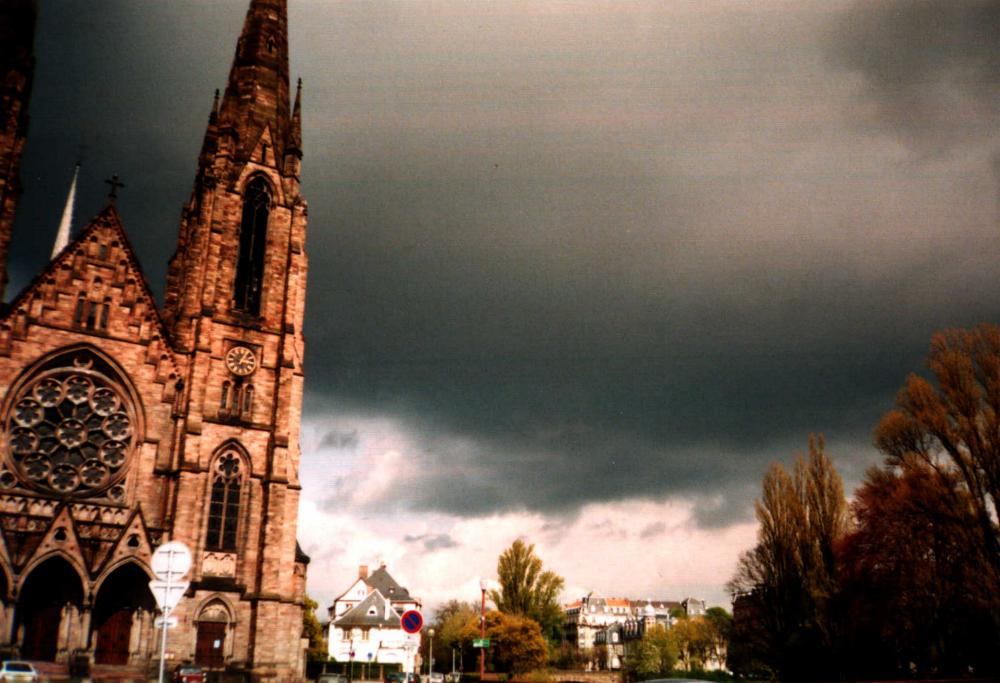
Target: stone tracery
70,430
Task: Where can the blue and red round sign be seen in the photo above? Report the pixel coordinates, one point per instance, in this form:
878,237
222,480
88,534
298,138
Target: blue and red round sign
411,621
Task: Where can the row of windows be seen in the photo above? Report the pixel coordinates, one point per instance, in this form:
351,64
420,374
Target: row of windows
92,315
236,400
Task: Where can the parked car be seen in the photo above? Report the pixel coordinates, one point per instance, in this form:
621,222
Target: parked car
400,677
332,678
189,673
13,671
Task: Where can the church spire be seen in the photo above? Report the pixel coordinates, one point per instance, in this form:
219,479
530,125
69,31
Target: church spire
239,248
66,224
257,94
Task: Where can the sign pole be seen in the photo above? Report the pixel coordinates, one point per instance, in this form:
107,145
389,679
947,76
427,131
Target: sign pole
163,628
170,563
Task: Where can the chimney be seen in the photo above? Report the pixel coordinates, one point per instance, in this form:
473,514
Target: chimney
363,572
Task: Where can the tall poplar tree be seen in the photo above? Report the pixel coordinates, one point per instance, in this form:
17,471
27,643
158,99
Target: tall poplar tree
528,590
791,574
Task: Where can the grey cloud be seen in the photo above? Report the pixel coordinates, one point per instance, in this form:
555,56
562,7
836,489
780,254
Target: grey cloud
432,542
930,66
652,530
339,439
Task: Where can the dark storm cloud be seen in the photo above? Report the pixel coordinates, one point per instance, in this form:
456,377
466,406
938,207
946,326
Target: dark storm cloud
581,252
638,275
131,84
933,67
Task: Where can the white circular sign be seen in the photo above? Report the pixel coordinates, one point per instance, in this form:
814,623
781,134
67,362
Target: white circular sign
171,561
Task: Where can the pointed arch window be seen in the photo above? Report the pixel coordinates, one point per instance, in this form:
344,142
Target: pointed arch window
224,505
253,242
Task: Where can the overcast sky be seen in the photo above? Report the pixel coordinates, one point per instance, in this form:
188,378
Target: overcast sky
579,270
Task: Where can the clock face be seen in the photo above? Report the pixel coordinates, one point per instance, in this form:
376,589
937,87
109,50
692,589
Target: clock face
241,361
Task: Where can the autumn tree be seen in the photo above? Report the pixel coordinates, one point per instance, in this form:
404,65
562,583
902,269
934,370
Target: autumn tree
792,570
450,630
527,590
313,631
693,642
720,627
653,656
952,424
913,577
516,642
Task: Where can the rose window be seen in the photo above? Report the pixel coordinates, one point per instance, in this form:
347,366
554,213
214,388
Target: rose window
71,431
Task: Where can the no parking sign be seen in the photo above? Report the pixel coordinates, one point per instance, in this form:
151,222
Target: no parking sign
411,621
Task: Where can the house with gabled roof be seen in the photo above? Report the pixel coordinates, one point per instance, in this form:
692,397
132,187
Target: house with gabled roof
365,623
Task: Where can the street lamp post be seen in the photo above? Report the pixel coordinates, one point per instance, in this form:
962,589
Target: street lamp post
430,653
350,659
483,584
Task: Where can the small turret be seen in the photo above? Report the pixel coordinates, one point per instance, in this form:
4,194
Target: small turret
293,147
209,146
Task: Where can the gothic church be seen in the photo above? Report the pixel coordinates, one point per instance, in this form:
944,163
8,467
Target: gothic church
126,425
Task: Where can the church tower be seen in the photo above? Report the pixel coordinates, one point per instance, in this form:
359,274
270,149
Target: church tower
234,308
17,61
124,425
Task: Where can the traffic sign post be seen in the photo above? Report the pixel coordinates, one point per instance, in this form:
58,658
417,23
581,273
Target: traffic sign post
170,563
481,642
169,622
168,594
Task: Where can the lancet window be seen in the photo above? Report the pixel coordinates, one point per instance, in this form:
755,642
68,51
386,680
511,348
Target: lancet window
253,242
224,504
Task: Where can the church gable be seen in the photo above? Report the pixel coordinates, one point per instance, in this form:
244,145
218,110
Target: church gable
93,287
60,537
134,543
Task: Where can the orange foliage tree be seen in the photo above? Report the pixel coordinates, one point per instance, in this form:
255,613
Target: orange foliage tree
952,426
516,643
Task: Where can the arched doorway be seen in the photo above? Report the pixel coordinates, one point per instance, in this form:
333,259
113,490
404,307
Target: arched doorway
210,647
122,594
51,592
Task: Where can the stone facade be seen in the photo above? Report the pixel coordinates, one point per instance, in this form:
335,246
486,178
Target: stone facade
125,426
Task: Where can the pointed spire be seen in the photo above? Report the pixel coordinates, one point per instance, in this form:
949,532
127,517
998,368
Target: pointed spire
295,134
65,225
257,93
210,145
214,115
